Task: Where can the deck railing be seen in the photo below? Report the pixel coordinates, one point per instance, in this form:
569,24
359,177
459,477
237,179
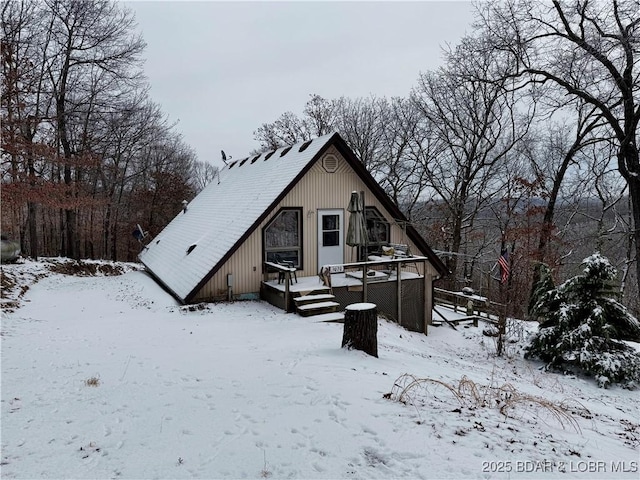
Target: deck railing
271,267
382,271
468,304
388,265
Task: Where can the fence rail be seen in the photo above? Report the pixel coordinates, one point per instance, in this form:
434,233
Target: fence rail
468,304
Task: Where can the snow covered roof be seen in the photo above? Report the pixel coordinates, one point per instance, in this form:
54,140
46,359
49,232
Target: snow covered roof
197,240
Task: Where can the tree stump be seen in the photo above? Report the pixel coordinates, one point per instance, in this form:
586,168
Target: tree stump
361,328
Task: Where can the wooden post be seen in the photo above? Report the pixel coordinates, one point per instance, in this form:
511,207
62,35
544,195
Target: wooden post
428,298
364,283
365,293
399,292
361,328
287,276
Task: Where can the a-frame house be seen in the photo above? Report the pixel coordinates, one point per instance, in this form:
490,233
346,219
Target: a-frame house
288,204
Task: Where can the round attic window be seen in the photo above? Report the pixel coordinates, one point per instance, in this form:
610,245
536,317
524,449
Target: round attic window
330,163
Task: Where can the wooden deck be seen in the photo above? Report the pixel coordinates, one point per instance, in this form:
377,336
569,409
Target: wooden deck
400,292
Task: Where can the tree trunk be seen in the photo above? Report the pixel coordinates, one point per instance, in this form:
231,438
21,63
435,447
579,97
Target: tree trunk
456,241
32,207
361,328
70,234
634,193
33,229
629,167
62,250
502,330
558,181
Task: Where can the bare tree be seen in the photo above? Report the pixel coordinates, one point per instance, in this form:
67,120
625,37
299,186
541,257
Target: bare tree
125,134
478,121
90,40
25,108
286,130
319,118
165,177
589,50
361,122
409,146
557,155
603,221
85,152
553,154
203,174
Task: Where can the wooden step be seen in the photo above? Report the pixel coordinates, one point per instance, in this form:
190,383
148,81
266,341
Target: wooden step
316,298
318,308
316,290
333,317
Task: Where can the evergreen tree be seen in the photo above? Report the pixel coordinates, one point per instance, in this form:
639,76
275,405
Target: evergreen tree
585,328
540,289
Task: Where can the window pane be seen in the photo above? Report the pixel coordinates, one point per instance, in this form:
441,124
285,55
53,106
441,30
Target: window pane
286,255
377,227
291,256
330,222
330,239
282,238
283,231
378,232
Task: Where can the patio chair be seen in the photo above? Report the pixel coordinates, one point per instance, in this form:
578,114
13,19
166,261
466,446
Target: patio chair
285,263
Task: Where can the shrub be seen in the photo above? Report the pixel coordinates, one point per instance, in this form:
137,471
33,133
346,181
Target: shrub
584,328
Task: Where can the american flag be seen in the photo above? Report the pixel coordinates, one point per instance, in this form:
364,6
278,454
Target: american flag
504,265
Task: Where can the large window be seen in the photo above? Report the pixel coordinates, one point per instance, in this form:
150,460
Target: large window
378,232
377,227
282,237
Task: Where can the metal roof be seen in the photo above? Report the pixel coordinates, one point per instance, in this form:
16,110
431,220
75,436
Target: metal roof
195,241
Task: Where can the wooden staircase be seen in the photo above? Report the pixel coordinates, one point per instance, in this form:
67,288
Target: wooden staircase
319,306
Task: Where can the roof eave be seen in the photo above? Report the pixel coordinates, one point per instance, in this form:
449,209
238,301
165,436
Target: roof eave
163,284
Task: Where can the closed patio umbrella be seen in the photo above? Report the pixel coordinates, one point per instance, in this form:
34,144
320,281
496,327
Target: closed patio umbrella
357,230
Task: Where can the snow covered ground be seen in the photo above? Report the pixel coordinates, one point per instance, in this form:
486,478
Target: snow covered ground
107,377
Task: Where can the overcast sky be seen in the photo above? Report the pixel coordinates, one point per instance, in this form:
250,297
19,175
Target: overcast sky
224,68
